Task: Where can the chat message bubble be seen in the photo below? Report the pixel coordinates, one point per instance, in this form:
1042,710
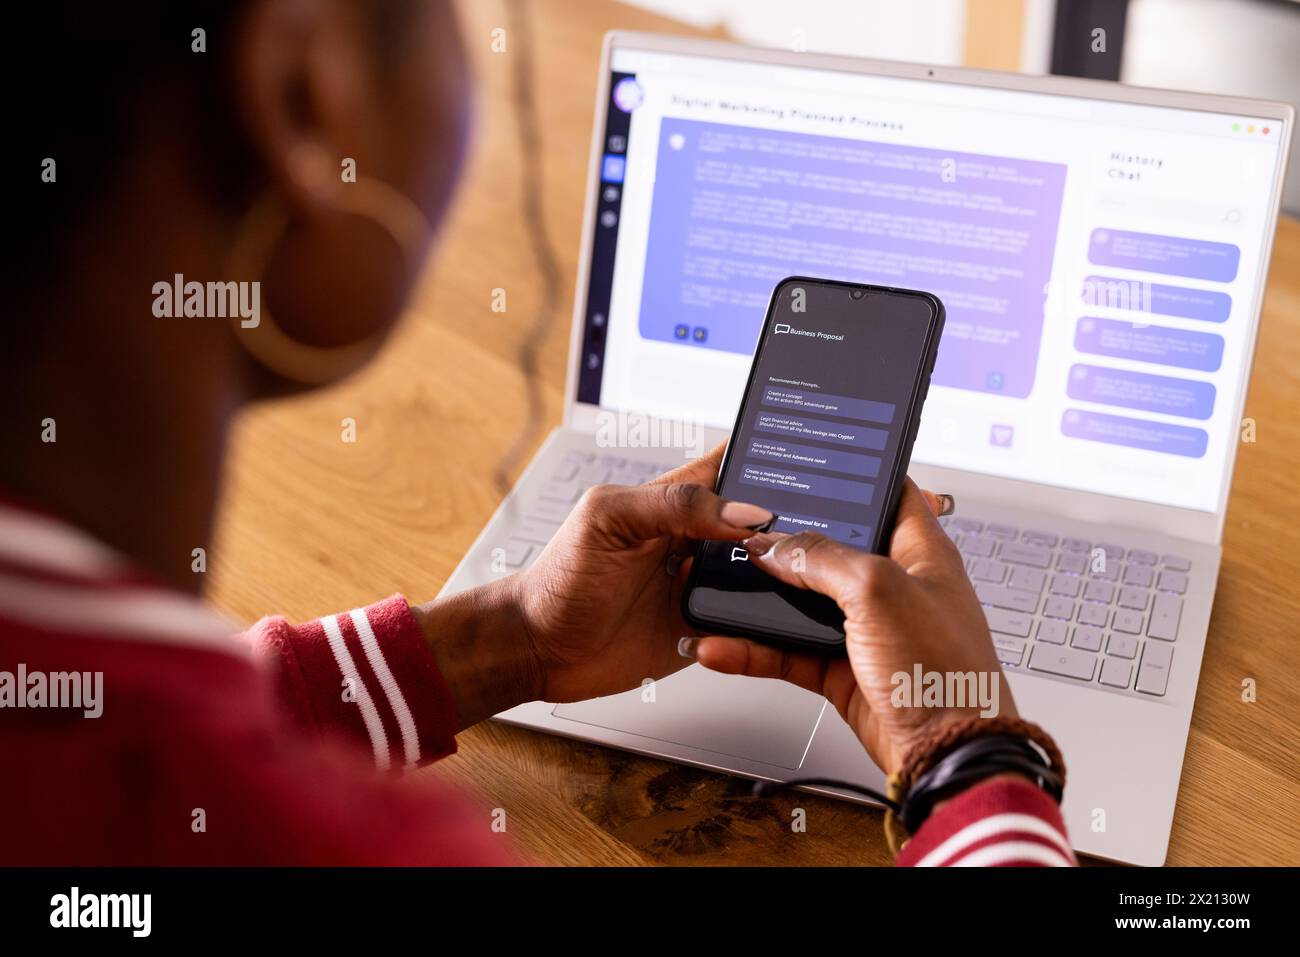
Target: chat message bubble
806,483
804,400
1135,433
807,427
832,460
1161,300
1171,255
1169,347
847,532
1141,390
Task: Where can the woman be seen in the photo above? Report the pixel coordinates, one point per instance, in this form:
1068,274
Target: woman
307,146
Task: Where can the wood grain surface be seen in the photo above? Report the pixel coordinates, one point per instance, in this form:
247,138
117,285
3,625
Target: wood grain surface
311,524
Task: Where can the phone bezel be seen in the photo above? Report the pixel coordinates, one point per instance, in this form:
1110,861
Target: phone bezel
884,529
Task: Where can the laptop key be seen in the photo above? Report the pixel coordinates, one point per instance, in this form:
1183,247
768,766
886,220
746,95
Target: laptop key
977,545
1087,638
1076,545
1058,607
1165,612
1014,623
1142,557
1127,621
1106,571
549,510
566,471
1134,598
1053,632
1025,554
1097,591
1122,646
1004,532
1172,581
1067,585
1090,614
1003,597
515,553
1177,563
1153,674
1046,539
562,492
988,570
1072,563
1140,575
1065,662
965,524
1027,579
1116,672
1010,650
531,531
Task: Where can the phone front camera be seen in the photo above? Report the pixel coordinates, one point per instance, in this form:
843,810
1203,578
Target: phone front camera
856,293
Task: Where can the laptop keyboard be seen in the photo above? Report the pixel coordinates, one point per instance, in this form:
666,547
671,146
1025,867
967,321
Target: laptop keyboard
1095,613
1091,612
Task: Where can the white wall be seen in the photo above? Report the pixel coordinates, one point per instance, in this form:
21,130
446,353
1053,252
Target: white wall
925,31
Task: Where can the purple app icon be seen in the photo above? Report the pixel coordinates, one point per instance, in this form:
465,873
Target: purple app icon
628,94
1002,435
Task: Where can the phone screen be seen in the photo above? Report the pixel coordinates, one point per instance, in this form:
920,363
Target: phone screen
822,441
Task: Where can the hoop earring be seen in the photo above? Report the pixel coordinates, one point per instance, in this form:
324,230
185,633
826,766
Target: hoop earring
263,227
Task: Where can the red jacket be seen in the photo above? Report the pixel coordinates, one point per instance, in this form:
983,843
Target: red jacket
262,749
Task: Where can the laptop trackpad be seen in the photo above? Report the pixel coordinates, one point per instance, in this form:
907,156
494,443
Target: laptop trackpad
751,718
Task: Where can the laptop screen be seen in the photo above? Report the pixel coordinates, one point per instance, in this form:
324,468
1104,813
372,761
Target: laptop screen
1099,261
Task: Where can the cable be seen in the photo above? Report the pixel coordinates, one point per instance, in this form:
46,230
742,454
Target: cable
530,151
766,789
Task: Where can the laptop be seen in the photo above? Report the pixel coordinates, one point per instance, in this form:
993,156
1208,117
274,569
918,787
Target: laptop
1101,251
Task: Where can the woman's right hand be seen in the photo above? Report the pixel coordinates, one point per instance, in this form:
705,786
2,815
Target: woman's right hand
915,607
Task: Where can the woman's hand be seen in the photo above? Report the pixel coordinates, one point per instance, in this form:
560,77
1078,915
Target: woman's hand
599,611
602,604
915,607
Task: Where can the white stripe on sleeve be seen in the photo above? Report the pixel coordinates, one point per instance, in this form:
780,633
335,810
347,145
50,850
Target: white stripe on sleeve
369,715
393,691
978,830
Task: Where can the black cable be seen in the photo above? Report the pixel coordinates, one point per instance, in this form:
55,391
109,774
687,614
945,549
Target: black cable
766,789
520,37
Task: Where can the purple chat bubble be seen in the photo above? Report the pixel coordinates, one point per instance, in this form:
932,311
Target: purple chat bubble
847,532
1134,433
832,460
807,483
1141,390
823,403
820,430
1172,255
1140,296
1160,344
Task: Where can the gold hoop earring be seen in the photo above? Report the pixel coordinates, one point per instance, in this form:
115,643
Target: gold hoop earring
263,227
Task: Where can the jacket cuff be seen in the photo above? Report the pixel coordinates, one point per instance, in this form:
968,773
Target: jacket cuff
998,823
367,673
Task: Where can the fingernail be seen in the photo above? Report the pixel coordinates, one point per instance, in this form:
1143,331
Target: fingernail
744,515
686,647
760,546
947,504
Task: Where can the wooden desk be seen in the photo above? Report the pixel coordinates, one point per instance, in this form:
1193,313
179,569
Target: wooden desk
396,510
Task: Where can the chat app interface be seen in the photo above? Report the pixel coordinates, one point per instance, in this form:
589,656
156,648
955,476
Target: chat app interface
823,423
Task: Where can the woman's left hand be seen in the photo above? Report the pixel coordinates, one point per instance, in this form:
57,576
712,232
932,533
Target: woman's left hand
602,605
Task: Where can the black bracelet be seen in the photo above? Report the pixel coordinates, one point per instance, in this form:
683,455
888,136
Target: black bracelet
974,760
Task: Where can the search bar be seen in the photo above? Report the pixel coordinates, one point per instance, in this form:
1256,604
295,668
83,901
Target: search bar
1172,209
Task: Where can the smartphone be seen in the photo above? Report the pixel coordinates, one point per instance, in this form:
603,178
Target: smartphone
822,440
